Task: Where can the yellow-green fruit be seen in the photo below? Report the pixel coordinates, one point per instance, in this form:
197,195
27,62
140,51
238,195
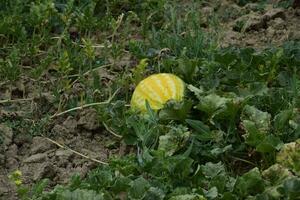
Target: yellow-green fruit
157,89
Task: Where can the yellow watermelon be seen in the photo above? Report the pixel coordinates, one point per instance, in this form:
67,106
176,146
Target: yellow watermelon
157,89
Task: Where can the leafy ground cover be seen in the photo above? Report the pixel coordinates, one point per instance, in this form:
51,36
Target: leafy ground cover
68,70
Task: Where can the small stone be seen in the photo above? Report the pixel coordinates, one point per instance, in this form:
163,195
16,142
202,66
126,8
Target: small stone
250,42
12,164
40,145
297,12
4,188
21,139
60,130
82,171
12,151
278,24
70,123
251,7
66,154
2,159
89,119
44,170
294,35
7,134
249,22
254,23
207,11
274,13
270,32
37,158
50,98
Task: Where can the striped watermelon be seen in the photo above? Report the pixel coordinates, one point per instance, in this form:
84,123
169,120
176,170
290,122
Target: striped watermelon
157,89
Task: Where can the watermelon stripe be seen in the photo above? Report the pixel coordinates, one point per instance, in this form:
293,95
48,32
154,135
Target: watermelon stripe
150,92
171,86
157,89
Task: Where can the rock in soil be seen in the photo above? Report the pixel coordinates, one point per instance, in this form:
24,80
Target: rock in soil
40,145
37,158
71,124
7,135
44,170
274,13
89,119
12,151
64,154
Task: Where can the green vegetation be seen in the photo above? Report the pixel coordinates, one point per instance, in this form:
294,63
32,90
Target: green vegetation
234,136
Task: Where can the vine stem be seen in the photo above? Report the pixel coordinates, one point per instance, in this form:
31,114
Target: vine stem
86,106
76,152
111,131
14,100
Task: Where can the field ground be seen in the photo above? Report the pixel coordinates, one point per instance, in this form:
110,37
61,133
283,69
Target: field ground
67,72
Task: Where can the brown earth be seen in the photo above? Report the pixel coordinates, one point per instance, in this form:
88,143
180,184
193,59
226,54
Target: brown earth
252,25
39,157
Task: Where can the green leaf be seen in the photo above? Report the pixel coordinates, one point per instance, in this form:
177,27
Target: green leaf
100,178
198,125
263,143
139,70
289,156
276,173
269,144
173,140
80,194
151,113
155,193
251,183
176,110
211,103
171,143
187,67
168,144
212,193
144,156
229,196
188,197
282,118
261,119
254,89
253,136
121,184
217,107
291,188
39,187
203,131
197,91
218,150
139,187
211,170
181,167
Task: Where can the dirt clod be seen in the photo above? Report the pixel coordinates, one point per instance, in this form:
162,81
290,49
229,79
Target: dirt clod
71,124
89,119
274,13
40,145
37,158
44,170
63,154
254,23
7,134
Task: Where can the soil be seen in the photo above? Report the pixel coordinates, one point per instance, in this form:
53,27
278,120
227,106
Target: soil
253,25
38,157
